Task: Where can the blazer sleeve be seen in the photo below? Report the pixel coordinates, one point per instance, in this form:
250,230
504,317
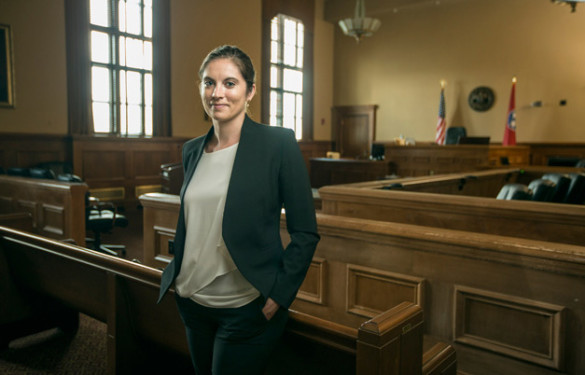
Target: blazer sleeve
301,223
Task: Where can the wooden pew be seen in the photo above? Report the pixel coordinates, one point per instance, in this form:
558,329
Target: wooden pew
143,336
460,201
57,208
510,304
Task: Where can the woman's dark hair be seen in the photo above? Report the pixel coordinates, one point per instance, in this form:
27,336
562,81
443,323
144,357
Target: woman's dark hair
239,57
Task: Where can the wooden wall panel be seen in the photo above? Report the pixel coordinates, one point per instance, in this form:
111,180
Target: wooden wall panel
27,150
57,209
371,291
541,153
128,163
314,288
525,329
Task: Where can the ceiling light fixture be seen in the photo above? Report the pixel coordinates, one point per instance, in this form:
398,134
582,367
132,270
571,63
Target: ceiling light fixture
360,25
572,3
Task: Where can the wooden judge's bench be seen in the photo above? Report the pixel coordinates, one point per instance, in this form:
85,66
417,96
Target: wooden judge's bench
418,160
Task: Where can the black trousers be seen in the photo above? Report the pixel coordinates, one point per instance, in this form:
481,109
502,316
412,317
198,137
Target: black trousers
225,341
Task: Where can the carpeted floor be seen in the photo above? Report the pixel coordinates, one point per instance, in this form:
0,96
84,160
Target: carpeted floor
55,352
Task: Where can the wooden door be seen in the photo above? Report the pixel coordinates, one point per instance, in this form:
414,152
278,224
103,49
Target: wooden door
354,130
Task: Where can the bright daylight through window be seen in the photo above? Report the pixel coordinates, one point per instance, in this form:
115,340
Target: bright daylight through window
121,66
286,73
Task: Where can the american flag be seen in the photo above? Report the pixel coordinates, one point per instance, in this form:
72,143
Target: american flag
441,123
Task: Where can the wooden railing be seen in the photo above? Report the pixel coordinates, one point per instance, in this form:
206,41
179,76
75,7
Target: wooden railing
465,201
57,209
142,335
486,294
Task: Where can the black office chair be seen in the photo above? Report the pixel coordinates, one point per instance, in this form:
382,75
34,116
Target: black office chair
42,173
101,217
576,191
562,182
453,134
542,190
515,192
16,171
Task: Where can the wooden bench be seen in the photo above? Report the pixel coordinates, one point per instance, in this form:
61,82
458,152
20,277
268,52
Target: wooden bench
57,209
463,201
67,278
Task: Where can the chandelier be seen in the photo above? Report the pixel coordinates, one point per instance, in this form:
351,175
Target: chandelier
572,3
360,25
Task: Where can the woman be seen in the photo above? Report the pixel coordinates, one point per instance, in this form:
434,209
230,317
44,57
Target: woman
234,281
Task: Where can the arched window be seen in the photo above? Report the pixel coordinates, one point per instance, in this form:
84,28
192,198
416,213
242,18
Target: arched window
286,73
287,65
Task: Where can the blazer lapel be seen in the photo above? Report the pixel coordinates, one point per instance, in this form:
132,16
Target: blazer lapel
193,159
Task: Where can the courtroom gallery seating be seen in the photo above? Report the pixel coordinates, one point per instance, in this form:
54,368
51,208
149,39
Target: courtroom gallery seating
576,192
542,190
562,182
514,192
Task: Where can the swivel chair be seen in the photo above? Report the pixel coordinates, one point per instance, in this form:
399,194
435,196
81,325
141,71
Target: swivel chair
42,173
453,134
562,182
101,217
514,192
576,191
542,190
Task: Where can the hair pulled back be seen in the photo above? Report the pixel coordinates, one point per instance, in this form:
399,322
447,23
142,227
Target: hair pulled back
239,57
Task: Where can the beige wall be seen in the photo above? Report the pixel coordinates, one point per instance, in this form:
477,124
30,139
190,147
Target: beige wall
469,43
198,26
40,77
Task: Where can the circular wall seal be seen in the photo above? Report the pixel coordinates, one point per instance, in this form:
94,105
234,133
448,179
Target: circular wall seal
481,98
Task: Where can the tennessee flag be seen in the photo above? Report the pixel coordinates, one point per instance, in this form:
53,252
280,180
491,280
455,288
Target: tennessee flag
510,133
441,123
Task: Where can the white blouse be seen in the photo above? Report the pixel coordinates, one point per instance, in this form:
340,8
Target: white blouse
208,274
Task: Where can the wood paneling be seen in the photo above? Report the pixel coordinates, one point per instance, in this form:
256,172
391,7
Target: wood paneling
57,209
460,204
326,171
430,159
517,292
146,337
543,152
521,328
110,162
371,291
27,150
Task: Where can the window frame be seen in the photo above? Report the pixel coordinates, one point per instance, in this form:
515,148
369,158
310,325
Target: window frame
305,12
78,49
115,69
280,65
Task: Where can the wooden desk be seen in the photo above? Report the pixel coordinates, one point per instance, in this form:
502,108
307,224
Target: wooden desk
430,159
326,171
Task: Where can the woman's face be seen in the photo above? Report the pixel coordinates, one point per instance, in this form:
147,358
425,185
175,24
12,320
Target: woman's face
224,91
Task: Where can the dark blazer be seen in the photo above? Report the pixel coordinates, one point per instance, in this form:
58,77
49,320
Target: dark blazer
268,172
